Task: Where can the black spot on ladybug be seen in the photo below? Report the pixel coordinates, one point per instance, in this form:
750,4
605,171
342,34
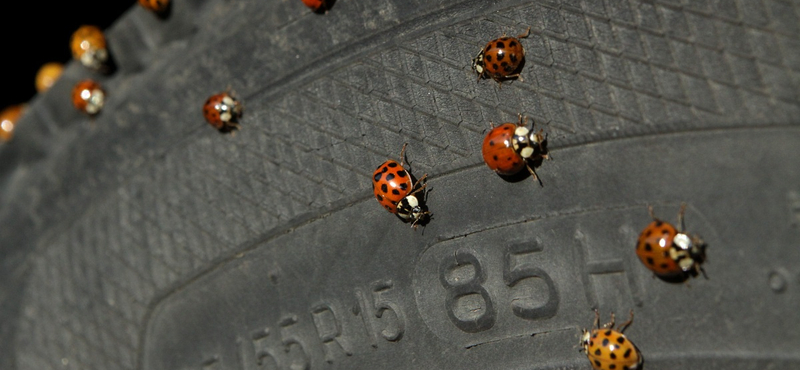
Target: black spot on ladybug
665,254
605,342
384,188
403,186
594,335
621,340
401,174
625,367
508,69
513,58
500,45
504,64
491,142
379,197
488,58
648,233
378,176
598,352
488,47
395,192
650,261
613,356
648,247
608,333
659,223
597,363
494,157
495,66
384,169
389,177
663,265
612,367
627,353
387,207
392,164
512,44
500,56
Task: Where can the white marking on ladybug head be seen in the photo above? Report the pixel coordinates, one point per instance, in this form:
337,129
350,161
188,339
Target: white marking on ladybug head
682,241
521,131
585,339
225,116
526,152
228,101
412,201
95,100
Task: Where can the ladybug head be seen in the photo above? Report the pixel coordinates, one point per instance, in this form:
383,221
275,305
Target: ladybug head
477,64
410,209
585,338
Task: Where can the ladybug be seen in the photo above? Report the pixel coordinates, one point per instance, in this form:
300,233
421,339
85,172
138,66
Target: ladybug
669,252
394,190
500,59
318,6
510,147
88,45
47,75
609,349
88,97
8,120
223,112
155,6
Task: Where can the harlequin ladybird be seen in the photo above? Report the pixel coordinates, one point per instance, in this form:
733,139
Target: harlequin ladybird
8,120
223,112
317,6
609,349
88,45
88,97
47,75
155,6
500,58
394,190
509,148
669,252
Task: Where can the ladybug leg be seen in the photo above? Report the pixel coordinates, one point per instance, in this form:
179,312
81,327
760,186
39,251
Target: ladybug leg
680,217
533,174
621,328
524,35
403,154
596,324
650,211
610,324
421,179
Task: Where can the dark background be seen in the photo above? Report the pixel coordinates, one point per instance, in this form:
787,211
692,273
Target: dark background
46,27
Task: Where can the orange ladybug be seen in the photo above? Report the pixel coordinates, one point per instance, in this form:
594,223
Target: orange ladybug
155,6
317,6
669,252
510,147
88,97
47,75
8,120
609,349
500,59
88,45
394,190
223,112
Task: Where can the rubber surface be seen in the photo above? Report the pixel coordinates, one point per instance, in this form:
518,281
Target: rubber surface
144,239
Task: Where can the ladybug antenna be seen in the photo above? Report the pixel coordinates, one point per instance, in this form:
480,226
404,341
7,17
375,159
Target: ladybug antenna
596,324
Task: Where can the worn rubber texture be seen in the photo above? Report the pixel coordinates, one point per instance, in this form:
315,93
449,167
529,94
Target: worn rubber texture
144,239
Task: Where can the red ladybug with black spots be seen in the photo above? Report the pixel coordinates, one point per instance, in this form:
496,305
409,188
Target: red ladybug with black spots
501,58
510,147
318,6
609,349
668,251
222,111
395,191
